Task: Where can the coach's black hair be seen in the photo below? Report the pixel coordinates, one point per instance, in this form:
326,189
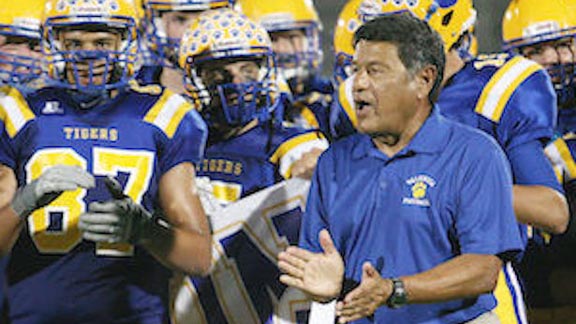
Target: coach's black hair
418,44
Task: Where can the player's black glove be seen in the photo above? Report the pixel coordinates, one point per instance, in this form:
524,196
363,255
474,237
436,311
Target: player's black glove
119,220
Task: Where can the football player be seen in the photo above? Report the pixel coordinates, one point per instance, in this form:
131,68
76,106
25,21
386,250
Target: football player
20,53
342,118
229,63
20,64
163,26
86,165
544,32
294,27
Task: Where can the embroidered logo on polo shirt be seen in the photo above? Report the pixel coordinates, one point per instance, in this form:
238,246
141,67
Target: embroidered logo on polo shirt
419,186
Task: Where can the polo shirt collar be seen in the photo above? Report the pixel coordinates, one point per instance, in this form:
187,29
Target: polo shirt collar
431,138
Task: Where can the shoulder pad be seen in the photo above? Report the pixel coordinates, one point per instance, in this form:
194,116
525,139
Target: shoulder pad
502,85
292,149
168,112
14,110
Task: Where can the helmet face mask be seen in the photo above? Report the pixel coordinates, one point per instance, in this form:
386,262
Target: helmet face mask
544,31
302,61
165,22
295,29
21,62
561,67
17,68
230,69
237,90
91,52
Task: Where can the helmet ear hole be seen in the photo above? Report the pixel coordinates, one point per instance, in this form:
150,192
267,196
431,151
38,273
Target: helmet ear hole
447,18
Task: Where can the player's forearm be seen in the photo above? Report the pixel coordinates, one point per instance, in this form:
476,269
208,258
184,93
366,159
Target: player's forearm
541,207
10,223
181,250
186,244
465,276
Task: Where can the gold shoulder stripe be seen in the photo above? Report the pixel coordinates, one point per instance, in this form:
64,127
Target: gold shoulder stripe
566,157
14,111
309,117
502,85
346,100
290,144
168,112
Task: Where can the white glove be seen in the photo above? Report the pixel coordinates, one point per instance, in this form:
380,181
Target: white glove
209,202
51,184
119,220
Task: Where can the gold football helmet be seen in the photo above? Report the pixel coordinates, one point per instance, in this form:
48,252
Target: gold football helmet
219,37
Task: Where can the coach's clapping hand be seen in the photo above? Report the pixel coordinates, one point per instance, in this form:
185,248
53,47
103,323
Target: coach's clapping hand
363,301
317,274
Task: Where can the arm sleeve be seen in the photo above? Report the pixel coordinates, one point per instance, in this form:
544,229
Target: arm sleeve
530,166
187,144
531,112
485,221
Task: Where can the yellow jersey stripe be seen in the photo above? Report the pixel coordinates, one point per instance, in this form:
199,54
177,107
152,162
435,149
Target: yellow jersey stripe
292,150
14,112
292,143
566,158
553,154
168,112
510,306
309,117
347,101
502,85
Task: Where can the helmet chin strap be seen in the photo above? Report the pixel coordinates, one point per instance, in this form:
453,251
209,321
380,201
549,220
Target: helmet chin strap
89,100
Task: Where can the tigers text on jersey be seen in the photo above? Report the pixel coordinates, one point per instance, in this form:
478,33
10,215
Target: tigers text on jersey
53,275
256,159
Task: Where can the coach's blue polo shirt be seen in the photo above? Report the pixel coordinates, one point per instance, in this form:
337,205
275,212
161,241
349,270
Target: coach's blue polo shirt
449,192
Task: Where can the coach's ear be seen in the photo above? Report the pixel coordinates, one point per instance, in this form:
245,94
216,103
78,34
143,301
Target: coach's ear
425,80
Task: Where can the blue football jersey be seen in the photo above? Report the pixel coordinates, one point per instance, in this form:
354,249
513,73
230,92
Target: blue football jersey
508,97
311,109
342,120
149,74
566,121
53,275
